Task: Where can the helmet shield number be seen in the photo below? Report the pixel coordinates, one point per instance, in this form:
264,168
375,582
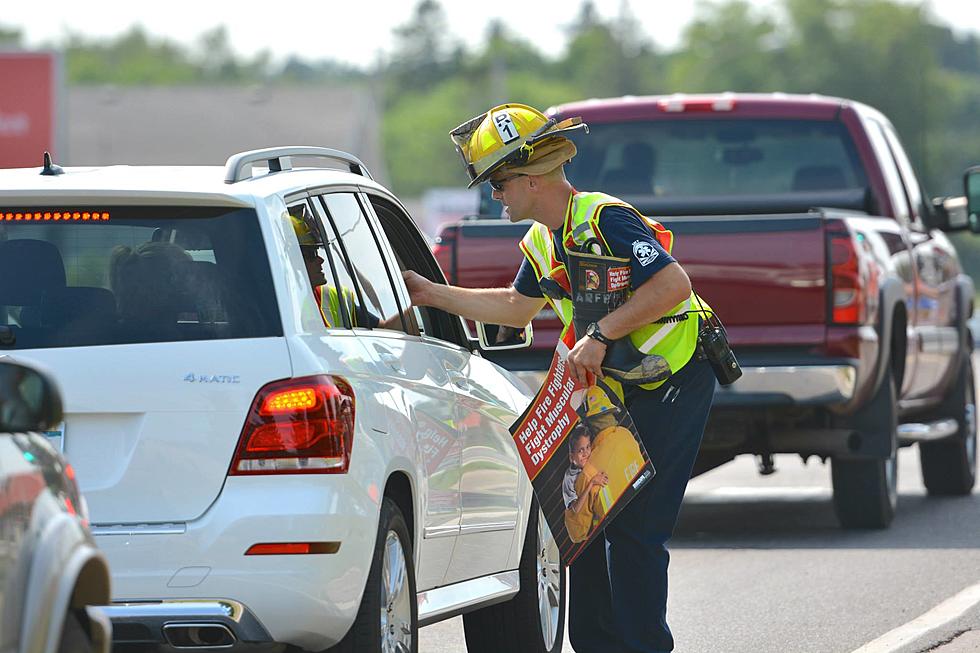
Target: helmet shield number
505,127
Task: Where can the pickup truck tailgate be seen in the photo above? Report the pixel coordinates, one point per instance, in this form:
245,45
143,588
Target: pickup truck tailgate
765,275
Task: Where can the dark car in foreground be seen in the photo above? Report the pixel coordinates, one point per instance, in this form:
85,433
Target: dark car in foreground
51,573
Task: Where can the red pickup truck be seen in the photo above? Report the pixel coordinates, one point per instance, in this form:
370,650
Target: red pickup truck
802,222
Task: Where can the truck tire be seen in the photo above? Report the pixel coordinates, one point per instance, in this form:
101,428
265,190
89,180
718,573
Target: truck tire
866,490
387,619
949,466
533,621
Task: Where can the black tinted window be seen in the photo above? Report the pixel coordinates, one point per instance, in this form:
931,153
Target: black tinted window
698,158
145,275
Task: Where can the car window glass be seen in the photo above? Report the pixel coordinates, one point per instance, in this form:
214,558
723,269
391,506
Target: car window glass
362,274
332,308
711,157
135,275
892,178
412,253
908,174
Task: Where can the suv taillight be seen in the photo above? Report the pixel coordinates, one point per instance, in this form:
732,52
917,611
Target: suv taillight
852,291
298,426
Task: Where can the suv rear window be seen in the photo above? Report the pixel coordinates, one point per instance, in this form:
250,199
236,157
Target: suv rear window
698,158
147,274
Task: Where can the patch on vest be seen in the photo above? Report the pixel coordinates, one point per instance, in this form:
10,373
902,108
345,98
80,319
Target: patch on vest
644,252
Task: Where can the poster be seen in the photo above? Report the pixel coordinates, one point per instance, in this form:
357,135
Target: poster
582,453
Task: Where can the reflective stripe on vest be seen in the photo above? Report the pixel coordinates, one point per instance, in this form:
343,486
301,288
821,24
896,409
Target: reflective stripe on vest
675,341
330,309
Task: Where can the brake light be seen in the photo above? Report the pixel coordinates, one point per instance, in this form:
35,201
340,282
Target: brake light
298,426
679,104
54,216
853,291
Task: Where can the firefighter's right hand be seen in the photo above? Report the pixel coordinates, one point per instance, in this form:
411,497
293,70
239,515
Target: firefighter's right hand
418,287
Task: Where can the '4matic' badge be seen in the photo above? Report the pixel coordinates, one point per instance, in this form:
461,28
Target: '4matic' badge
211,378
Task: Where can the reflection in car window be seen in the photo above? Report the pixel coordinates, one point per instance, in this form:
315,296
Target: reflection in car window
364,268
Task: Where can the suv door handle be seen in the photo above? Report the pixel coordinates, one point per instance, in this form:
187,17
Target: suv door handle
458,379
392,361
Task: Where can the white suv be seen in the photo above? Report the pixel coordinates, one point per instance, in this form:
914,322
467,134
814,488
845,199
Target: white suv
273,453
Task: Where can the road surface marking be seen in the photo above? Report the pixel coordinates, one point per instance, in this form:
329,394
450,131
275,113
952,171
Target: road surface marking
747,493
942,614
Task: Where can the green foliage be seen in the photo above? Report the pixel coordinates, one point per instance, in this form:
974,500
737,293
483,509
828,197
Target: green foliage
890,54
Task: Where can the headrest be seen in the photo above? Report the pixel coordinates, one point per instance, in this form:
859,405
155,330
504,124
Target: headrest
28,269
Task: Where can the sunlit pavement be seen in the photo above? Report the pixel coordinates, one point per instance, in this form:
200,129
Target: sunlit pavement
759,565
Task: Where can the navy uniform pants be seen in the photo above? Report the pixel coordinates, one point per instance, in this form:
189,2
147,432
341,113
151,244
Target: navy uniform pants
618,585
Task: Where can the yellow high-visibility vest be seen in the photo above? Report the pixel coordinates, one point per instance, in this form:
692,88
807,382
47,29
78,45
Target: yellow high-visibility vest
674,340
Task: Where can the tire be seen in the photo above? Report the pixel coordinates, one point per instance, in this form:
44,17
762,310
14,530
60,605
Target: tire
949,466
387,620
74,637
534,620
866,490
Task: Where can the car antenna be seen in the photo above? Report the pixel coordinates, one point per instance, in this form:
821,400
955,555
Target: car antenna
51,169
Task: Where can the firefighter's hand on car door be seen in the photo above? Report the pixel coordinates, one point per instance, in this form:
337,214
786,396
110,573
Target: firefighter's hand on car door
585,360
417,287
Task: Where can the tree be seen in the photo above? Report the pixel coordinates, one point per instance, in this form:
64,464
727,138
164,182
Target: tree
10,37
728,47
423,50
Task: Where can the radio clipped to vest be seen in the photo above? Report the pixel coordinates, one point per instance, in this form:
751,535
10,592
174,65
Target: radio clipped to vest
713,346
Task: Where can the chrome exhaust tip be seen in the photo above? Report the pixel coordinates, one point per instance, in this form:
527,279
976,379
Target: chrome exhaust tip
198,635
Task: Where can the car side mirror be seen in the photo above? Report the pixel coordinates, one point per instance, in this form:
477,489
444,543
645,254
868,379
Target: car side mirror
29,399
971,187
949,214
497,337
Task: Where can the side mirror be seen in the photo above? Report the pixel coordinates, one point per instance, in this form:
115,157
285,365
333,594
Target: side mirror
497,337
949,214
971,187
29,399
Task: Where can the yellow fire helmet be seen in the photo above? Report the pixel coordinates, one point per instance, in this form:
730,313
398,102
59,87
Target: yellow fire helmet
306,232
598,403
506,135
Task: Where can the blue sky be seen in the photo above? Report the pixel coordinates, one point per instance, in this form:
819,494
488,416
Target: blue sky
358,32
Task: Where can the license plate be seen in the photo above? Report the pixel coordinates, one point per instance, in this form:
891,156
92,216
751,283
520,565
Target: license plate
56,437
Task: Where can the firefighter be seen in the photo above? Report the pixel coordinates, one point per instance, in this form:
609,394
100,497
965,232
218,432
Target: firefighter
521,153
328,300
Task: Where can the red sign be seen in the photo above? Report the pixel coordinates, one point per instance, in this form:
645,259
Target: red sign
27,108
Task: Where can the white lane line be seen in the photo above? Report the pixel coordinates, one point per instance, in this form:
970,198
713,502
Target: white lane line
735,493
942,614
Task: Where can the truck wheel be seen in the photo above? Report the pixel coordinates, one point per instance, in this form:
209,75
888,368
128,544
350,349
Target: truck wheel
866,490
534,620
387,621
949,466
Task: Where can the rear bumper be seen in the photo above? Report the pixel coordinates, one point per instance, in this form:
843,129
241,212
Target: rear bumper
308,601
784,385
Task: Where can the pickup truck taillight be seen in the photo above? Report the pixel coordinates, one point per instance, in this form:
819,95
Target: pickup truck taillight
852,286
298,426
444,250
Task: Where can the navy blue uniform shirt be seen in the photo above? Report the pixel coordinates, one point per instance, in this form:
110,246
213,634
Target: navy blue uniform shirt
626,234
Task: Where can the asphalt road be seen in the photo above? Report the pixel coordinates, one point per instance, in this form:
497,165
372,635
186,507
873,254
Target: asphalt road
758,564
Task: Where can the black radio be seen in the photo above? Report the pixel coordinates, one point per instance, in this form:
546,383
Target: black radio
714,347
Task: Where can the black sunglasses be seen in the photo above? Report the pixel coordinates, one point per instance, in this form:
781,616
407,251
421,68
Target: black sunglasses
498,184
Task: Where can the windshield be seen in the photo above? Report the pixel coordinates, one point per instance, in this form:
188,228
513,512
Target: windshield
145,274
698,158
